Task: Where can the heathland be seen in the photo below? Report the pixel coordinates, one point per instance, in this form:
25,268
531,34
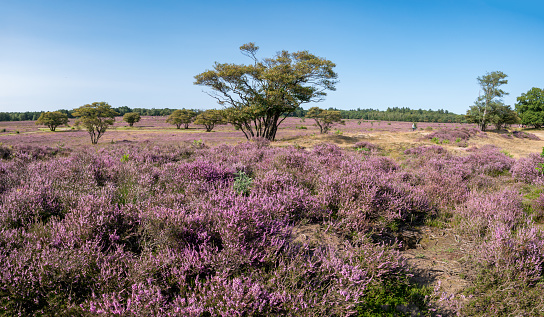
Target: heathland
371,219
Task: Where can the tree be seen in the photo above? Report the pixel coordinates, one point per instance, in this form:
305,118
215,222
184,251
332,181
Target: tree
210,118
530,107
479,112
52,119
324,119
131,118
502,115
96,118
183,116
258,97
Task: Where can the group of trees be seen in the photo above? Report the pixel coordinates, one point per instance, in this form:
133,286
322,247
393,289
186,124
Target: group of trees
209,118
259,96
98,116
490,109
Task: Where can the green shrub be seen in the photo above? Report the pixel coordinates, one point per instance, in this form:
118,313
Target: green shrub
242,183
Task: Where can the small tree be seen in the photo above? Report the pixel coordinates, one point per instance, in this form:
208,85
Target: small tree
181,117
530,107
96,118
131,118
479,112
210,118
52,119
324,119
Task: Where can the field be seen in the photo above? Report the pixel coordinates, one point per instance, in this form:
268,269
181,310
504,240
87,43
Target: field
372,219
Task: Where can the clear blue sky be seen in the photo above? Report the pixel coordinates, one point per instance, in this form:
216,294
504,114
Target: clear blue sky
417,54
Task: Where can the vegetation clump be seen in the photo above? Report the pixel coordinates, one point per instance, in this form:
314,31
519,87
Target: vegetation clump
52,119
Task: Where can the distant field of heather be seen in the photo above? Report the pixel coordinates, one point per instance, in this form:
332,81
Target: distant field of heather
155,129
372,219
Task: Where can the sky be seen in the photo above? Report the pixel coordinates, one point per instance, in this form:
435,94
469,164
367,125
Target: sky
145,54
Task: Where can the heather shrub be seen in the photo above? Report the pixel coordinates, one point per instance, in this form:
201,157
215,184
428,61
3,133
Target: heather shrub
529,169
458,136
366,147
488,160
482,212
188,230
425,150
525,135
510,277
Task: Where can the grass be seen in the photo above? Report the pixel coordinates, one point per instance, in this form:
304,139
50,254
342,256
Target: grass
395,298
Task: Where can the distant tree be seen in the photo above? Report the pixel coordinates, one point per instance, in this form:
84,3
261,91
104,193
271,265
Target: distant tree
181,117
52,119
210,118
96,118
324,119
530,107
259,96
479,112
122,110
131,118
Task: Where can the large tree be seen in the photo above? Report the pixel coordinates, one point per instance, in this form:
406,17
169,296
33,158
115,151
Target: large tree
324,119
52,119
530,107
492,94
260,95
96,118
181,117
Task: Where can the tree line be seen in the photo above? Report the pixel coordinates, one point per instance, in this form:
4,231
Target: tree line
391,114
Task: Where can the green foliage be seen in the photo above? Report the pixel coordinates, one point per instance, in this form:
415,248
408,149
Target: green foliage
530,107
125,158
96,118
242,183
301,127
324,119
181,117
489,104
52,119
389,297
210,118
131,118
507,153
435,140
260,95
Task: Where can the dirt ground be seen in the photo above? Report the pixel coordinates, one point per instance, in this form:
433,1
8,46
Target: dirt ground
394,143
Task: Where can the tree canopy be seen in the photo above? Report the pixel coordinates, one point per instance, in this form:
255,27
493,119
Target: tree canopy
131,118
260,95
324,119
210,118
530,107
480,112
52,119
96,118
181,117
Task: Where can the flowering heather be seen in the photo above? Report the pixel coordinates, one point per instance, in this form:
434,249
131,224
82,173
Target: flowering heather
458,136
163,231
192,230
521,135
482,212
529,169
